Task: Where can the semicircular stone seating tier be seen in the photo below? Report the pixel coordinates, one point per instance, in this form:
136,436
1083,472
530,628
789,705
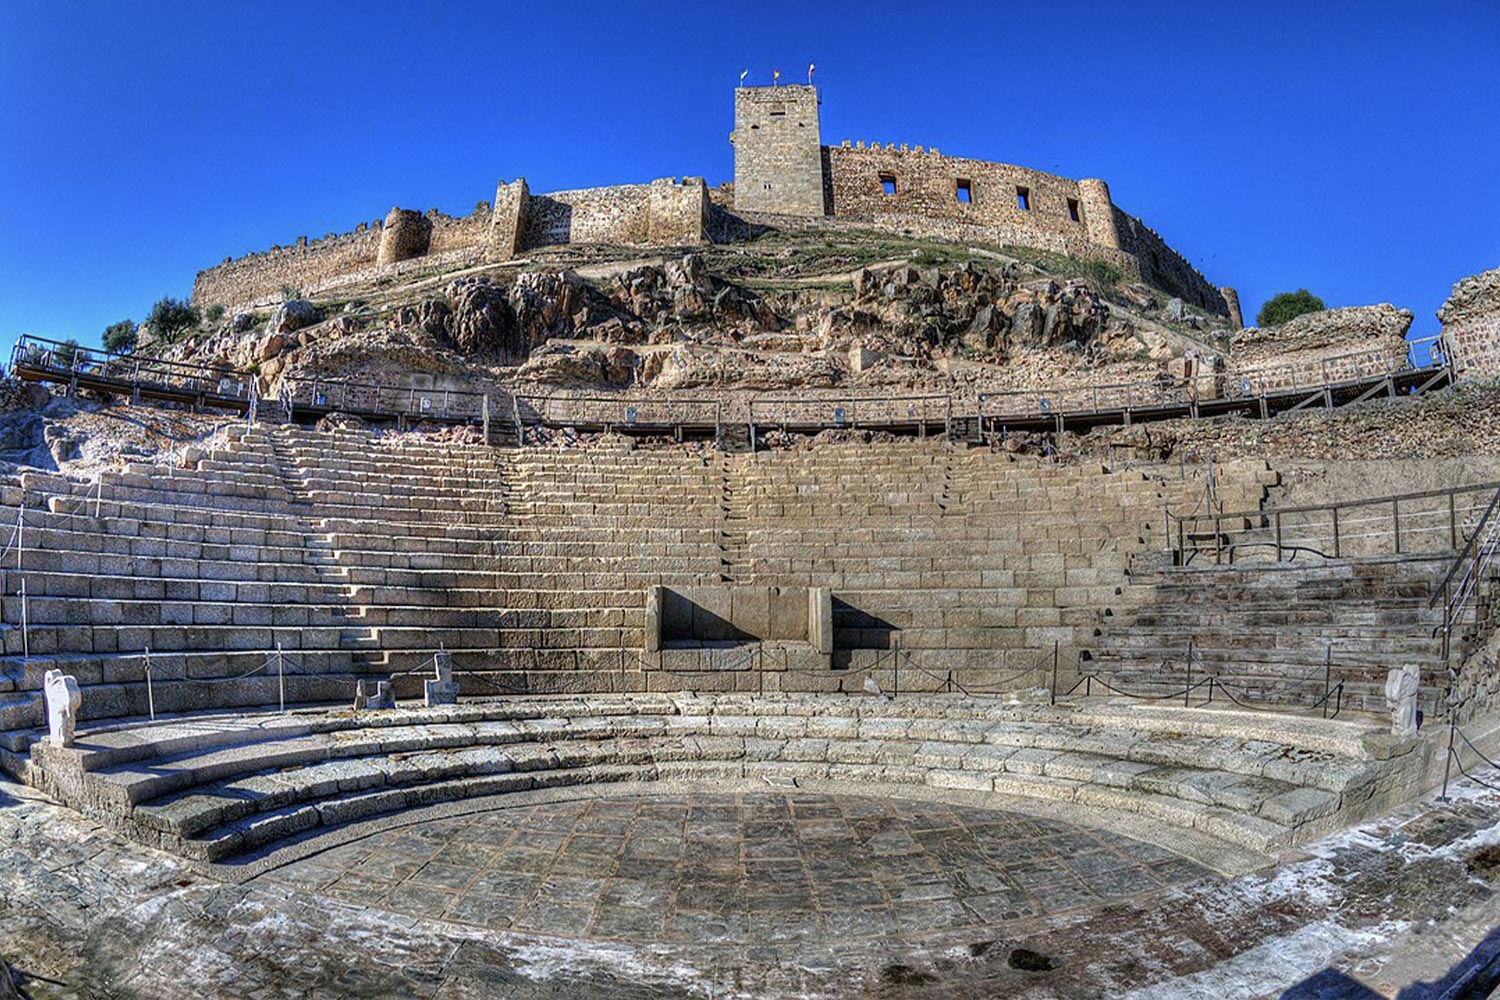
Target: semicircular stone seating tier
288,562
235,788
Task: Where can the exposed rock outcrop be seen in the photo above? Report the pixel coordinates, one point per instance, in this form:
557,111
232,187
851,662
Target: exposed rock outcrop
291,316
483,321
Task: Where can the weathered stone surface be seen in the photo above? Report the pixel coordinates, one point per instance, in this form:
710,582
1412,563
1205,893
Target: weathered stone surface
483,321
1471,324
1346,327
291,316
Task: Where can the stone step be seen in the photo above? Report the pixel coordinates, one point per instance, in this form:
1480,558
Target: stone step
255,795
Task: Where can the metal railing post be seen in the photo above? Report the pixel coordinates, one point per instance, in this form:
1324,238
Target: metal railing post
1188,690
280,676
25,627
896,668
1452,732
150,691
1054,673
1327,676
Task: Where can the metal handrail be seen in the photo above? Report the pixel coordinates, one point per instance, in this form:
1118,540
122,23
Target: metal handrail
39,353
1332,692
1458,561
1274,517
371,397
614,409
1247,384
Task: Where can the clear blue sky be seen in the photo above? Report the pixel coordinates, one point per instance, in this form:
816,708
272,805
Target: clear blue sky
1349,147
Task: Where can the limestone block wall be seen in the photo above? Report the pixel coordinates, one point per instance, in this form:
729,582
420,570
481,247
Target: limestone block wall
591,215
1165,268
778,154
890,180
451,233
666,212
923,192
509,220
662,212
1471,324
677,213
1474,344
1334,345
263,275
406,234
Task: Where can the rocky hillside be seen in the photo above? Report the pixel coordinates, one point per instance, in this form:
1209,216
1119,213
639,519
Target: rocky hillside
783,311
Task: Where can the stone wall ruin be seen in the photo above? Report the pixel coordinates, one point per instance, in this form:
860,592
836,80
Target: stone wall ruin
781,169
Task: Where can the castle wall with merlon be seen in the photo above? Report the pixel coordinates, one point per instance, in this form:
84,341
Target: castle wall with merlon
782,171
665,212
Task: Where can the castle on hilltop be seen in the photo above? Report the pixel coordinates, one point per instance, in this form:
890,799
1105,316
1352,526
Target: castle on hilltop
783,176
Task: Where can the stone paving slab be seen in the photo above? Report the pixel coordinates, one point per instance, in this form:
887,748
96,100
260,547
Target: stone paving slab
739,869
1384,907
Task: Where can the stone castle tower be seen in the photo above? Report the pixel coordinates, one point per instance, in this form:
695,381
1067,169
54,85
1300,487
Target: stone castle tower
778,151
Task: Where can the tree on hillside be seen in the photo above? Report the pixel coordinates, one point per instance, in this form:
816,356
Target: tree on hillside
170,316
119,338
1288,305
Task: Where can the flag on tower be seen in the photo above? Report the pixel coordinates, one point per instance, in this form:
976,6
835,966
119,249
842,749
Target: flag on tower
775,77
810,68
742,77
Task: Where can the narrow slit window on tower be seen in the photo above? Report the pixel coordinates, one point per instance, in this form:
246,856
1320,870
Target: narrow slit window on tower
962,192
1073,209
1023,199
888,183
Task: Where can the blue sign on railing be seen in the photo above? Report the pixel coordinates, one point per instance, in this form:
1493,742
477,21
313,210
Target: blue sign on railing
630,414
838,415
1046,405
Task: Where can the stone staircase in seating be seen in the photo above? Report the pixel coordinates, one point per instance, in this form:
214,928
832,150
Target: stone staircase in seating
360,555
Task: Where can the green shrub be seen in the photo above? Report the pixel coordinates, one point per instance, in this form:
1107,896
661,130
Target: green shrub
169,317
1287,306
119,338
1103,272
215,312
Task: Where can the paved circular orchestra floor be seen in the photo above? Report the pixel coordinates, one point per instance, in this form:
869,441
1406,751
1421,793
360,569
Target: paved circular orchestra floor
738,869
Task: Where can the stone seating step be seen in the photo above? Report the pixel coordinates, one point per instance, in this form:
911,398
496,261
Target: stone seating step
218,797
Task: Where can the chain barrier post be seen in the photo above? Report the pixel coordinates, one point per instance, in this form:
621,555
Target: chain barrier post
25,627
150,691
281,677
1327,676
1053,692
1188,691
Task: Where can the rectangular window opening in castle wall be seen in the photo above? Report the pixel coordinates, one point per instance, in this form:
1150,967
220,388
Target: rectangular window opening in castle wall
888,183
962,191
1073,209
1023,199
